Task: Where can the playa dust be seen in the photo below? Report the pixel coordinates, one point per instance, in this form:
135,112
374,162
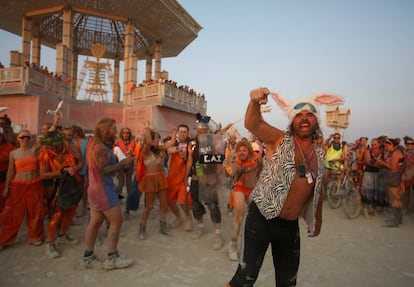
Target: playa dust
357,252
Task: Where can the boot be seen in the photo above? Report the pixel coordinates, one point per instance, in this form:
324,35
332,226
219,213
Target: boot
163,228
399,215
393,220
141,234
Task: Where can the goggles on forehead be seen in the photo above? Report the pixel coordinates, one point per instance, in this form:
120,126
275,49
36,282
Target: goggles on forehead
303,105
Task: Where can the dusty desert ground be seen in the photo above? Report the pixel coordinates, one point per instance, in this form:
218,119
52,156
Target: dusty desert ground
357,252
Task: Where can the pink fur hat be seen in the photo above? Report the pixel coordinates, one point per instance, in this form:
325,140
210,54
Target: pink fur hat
292,108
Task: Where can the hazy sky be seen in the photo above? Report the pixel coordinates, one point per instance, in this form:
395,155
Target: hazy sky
362,50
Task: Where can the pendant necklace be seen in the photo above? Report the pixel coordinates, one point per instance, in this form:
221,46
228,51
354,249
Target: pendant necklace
303,171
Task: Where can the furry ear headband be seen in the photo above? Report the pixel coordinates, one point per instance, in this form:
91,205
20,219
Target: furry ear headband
292,108
202,119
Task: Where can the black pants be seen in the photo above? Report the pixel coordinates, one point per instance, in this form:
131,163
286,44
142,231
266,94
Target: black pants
284,237
198,208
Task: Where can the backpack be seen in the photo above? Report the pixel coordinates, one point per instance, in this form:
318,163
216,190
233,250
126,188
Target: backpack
70,192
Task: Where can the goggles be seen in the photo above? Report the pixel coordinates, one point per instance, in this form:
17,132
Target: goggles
300,106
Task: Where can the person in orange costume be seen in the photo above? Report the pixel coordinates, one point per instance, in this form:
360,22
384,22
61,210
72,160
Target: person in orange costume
178,173
244,169
24,195
55,158
5,149
154,183
230,153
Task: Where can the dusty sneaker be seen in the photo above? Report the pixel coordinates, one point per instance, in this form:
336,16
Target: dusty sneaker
117,262
50,250
176,223
198,233
90,262
230,211
141,233
232,252
218,241
66,239
37,243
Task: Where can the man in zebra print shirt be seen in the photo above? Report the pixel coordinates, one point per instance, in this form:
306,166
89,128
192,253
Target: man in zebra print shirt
289,186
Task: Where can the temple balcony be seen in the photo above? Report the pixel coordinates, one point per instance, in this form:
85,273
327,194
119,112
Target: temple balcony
28,81
168,95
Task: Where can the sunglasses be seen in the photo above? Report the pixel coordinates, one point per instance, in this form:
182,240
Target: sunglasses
409,143
302,105
25,137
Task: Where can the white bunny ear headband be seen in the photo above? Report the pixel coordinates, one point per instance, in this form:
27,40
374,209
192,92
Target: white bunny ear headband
292,108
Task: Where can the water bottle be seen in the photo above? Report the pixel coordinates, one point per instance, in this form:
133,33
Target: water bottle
198,168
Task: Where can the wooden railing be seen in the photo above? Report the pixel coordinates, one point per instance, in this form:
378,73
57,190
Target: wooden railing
167,91
23,76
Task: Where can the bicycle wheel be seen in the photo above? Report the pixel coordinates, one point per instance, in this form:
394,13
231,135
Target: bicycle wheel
334,195
352,202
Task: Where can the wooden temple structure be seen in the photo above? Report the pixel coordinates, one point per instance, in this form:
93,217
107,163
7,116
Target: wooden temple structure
125,31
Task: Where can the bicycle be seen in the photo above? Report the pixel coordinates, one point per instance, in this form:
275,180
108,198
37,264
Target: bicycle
343,190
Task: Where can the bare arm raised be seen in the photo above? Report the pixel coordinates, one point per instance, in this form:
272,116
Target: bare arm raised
254,121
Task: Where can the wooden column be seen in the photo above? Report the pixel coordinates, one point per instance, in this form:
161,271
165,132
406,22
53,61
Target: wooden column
157,60
26,38
130,63
148,68
115,84
64,53
36,50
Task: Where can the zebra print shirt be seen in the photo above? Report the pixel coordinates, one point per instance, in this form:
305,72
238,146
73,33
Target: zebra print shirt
276,178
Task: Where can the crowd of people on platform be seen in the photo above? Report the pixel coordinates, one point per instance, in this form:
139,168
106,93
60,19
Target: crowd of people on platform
171,83
44,70
183,174
41,69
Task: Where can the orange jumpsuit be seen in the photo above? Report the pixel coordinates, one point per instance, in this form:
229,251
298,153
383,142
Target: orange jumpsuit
5,150
55,162
24,199
176,179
